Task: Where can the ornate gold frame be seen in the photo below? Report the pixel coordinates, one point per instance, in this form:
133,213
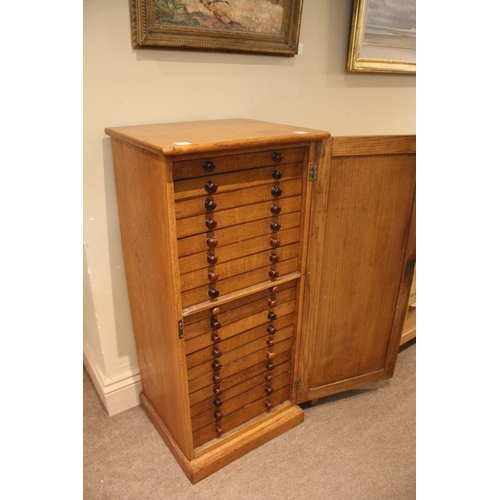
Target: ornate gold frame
147,33
357,63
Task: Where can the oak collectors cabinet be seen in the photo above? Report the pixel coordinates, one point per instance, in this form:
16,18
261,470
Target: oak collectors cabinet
214,219
240,258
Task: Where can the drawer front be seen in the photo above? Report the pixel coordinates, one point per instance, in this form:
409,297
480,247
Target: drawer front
239,355
238,222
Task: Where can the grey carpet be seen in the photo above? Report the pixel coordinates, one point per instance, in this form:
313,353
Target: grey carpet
359,445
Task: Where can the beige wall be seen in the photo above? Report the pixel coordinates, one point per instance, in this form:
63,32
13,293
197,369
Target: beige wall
124,87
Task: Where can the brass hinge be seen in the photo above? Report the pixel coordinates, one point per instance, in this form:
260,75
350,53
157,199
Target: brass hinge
313,172
297,384
181,329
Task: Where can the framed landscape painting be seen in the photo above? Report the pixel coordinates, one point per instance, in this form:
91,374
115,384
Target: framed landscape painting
383,36
250,26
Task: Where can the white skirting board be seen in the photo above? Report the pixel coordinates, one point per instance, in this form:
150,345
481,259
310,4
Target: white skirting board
117,395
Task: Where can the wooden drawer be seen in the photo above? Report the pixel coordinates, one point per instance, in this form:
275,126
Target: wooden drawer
410,325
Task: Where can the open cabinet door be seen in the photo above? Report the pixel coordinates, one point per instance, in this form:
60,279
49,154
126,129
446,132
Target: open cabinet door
360,265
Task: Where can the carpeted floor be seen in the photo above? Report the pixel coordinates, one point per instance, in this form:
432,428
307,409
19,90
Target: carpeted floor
358,445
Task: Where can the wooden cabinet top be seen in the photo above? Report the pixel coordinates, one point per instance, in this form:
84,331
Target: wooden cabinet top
212,135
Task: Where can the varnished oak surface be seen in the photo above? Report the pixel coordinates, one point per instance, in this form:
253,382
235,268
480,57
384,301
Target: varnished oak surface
212,135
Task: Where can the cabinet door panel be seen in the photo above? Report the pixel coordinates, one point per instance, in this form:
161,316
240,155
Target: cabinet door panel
358,281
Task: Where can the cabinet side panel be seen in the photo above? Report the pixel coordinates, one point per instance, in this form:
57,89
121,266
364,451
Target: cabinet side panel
357,283
146,219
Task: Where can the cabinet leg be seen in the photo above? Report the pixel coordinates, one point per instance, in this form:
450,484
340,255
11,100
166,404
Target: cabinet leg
313,402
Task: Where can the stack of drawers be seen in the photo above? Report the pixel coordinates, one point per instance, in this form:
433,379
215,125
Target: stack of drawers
238,221
214,234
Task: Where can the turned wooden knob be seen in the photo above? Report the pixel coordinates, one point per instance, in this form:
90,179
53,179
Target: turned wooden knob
210,223
274,289
216,353
277,156
273,274
271,316
268,405
215,311
272,302
212,259
216,378
275,226
212,242
208,165
270,354
216,366
275,209
270,342
268,390
213,293
214,324
277,174
218,414
274,258
268,377
218,430
217,390
269,366
276,191
215,338
211,187
274,242
213,276
218,402
271,330
210,204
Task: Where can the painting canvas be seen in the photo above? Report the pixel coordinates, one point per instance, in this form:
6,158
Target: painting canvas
251,26
383,36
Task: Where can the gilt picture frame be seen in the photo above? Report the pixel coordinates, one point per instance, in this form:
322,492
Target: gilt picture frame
269,27
383,37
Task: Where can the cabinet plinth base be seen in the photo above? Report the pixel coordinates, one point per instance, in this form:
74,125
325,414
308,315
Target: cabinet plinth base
232,448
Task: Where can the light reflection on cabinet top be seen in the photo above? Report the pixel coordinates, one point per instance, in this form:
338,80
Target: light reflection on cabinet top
212,135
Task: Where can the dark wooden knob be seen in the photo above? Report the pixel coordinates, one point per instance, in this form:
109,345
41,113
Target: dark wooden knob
268,389
213,276
216,378
208,165
272,316
216,353
211,224
218,430
273,274
215,338
268,405
272,302
277,156
268,377
274,258
218,402
271,330
216,366
213,293
218,414
212,259
217,390
274,242
212,242
276,191
210,204
274,289
269,366
211,187
270,342
277,174
275,209
275,226
214,324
